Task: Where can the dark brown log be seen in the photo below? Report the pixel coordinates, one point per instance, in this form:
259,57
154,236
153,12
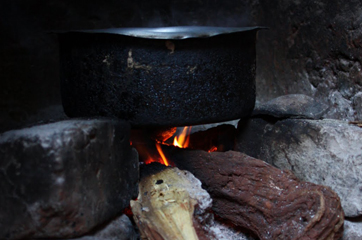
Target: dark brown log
220,138
272,203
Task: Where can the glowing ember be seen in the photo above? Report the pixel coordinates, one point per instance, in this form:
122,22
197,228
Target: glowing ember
182,141
213,149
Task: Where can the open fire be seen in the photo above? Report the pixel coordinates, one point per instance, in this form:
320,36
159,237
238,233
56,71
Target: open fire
245,192
180,140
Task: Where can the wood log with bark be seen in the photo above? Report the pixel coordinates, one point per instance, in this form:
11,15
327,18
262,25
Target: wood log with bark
272,203
172,205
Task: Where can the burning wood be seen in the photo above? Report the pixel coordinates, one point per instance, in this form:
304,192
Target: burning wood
172,205
270,202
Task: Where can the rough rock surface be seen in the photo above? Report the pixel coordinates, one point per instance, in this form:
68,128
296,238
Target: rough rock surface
120,228
326,152
62,179
292,106
313,48
272,203
205,127
352,230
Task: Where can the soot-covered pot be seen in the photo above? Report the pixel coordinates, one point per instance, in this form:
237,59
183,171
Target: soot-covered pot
172,76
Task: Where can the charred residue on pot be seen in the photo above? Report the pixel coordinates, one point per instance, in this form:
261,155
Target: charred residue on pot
196,80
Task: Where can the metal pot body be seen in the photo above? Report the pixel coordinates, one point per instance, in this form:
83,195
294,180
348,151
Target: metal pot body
158,82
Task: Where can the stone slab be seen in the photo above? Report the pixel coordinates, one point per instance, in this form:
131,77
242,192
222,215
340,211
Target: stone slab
325,152
60,180
292,106
352,230
120,228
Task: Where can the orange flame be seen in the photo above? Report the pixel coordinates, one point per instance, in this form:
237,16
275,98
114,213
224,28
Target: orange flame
182,141
161,158
164,159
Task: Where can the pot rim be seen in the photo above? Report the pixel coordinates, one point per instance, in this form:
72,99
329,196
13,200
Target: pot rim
175,32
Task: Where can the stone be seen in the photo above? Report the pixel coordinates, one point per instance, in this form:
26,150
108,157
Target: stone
352,230
270,202
357,104
312,48
326,152
205,127
62,179
292,105
120,228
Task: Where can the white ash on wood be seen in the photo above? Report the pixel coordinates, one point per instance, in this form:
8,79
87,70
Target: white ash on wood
272,203
164,208
172,205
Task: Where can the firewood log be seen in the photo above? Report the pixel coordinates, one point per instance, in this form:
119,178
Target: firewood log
165,205
271,202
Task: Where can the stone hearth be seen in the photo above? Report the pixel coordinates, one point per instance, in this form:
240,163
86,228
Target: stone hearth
65,178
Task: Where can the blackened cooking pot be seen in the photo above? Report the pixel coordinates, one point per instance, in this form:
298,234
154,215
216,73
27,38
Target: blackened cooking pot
172,76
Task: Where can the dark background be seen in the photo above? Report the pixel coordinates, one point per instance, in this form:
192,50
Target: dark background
311,47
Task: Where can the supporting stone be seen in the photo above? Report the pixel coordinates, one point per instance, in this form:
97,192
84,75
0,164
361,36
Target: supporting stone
352,230
60,180
326,152
120,228
292,106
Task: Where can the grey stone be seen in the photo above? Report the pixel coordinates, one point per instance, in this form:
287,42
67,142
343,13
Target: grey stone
325,152
120,228
204,127
60,180
292,105
312,48
357,104
352,230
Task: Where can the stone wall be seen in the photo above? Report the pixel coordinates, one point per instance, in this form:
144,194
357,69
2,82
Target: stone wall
314,48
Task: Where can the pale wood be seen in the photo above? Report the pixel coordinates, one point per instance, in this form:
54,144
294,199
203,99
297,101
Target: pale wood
164,208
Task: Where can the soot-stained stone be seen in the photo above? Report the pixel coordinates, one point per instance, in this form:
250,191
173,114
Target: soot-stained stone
60,180
313,48
326,152
292,105
120,228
